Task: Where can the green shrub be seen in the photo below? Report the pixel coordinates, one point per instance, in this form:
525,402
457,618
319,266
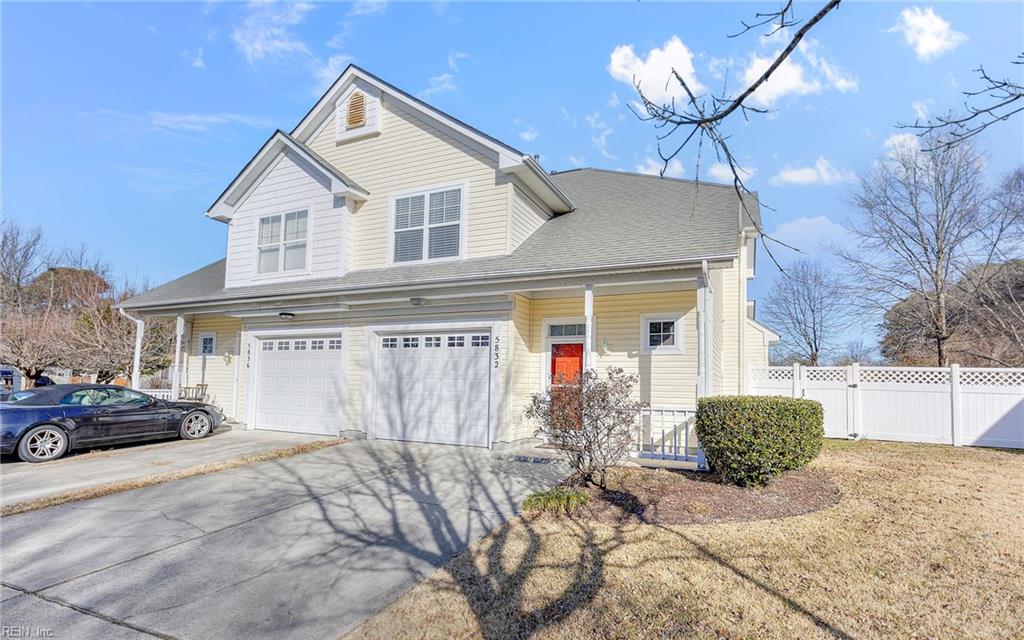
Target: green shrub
750,439
557,500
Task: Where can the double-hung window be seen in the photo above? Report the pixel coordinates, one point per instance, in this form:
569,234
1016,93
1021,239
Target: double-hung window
428,226
282,242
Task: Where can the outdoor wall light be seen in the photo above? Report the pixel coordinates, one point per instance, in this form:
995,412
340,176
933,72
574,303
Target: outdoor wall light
285,315
605,346
227,358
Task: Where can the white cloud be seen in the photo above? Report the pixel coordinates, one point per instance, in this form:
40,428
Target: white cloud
927,33
822,172
529,134
898,141
654,73
266,32
438,84
329,71
368,8
830,72
788,78
576,161
195,59
568,116
454,57
613,100
809,234
720,171
601,133
653,167
921,108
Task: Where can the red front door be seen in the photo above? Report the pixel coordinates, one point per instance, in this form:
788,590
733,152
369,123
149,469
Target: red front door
566,362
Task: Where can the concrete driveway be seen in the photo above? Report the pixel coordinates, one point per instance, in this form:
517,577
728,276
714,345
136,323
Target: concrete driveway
21,481
304,547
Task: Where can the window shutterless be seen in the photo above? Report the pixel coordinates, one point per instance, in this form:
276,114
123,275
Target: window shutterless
428,226
282,242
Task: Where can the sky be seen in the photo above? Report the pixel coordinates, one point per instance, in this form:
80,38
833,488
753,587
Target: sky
122,122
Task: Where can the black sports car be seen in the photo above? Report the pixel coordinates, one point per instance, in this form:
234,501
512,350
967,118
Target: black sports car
46,422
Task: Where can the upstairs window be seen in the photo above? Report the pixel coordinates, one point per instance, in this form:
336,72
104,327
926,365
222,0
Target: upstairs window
355,115
428,226
282,242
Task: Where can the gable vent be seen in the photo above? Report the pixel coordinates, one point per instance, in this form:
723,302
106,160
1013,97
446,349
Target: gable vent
356,114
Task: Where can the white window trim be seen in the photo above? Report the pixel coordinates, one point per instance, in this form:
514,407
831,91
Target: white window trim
677,329
545,362
203,336
280,273
425,192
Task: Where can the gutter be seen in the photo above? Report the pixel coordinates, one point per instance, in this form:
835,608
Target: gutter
435,284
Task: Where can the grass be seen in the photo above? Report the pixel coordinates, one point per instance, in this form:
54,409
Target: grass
926,542
557,500
110,488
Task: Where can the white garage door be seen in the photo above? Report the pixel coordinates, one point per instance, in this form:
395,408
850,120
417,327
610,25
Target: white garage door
299,385
433,387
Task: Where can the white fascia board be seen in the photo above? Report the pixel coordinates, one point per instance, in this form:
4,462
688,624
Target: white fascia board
224,208
509,159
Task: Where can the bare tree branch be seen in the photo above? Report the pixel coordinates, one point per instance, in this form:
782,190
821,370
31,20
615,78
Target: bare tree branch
702,117
1001,99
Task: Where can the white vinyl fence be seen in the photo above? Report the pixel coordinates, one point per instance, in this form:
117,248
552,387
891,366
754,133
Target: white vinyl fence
666,433
945,405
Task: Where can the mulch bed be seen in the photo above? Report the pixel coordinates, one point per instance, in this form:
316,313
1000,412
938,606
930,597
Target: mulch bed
646,496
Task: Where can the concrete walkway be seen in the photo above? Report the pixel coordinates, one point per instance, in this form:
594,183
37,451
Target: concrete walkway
21,481
303,547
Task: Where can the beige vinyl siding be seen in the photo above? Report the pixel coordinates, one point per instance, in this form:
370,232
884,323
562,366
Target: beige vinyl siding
290,185
413,153
730,300
524,369
214,370
717,333
757,352
665,379
355,370
526,216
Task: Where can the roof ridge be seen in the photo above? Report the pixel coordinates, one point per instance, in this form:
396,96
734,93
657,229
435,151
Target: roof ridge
637,174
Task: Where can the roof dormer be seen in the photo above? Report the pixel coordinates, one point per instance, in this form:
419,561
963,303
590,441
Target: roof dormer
357,113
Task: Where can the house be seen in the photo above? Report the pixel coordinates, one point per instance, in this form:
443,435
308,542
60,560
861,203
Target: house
392,272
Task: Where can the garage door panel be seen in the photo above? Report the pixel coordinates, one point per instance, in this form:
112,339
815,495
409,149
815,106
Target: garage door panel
299,385
435,391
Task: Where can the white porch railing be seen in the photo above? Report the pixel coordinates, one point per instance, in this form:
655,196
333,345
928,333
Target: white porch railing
159,394
665,433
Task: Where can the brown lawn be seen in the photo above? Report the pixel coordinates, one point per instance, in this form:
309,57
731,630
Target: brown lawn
925,542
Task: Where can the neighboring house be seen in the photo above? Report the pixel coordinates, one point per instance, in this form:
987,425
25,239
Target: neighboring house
395,273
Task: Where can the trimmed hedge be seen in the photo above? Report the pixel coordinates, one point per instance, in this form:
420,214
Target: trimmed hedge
750,439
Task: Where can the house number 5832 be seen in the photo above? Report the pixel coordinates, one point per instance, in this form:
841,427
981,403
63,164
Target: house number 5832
497,351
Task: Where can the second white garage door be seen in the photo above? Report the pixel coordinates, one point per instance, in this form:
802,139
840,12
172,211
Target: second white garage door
300,385
433,387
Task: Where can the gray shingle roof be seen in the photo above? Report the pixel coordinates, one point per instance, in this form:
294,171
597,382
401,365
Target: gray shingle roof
622,220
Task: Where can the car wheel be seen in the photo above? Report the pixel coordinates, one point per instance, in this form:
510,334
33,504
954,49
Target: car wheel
195,425
43,443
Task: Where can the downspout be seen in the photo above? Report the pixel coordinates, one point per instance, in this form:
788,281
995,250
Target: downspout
140,328
706,331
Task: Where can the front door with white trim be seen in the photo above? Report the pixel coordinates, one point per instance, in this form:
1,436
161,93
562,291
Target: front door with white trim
433,387
299,384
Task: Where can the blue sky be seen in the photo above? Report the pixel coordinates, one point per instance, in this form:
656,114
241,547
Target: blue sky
123,122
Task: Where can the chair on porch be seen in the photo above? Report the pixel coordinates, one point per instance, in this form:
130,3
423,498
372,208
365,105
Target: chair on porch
196,393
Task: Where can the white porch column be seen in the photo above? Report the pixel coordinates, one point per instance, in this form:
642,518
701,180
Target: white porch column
588,319
140,328
702,306
179,330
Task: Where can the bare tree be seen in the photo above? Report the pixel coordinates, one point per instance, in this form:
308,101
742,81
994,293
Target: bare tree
923,226
701,118
997,100
855,351
996,310
103,341
23,256
808,308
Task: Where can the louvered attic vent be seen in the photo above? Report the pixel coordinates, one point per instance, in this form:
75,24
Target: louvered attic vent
356,115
